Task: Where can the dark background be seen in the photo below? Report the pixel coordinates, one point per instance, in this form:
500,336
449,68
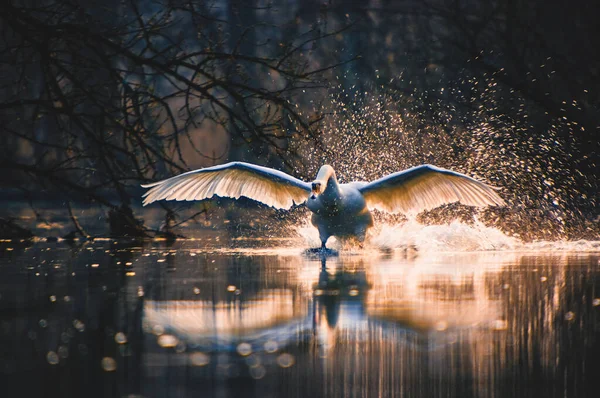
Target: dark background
97,97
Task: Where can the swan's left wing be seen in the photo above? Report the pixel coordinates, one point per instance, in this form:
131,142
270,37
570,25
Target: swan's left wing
426,187
269,186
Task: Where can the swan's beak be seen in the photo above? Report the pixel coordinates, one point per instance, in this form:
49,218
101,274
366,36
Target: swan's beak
315,190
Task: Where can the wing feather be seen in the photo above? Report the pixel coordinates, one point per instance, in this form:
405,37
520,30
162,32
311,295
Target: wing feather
426,187
233,180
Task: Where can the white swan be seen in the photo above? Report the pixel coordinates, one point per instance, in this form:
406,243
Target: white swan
340,210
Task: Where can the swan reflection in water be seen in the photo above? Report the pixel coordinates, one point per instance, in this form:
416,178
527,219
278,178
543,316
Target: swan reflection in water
346,302
384,322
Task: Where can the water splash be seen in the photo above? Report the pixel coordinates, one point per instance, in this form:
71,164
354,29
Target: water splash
456,236
368,135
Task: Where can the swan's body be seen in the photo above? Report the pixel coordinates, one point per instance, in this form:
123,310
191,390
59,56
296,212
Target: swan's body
340,210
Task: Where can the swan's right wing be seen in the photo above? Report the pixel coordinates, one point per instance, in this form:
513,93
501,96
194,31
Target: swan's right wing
232,180
426,187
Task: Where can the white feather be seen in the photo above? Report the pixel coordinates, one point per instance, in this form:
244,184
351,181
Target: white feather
233,180
426,187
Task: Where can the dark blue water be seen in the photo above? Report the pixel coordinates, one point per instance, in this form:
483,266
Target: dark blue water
208,319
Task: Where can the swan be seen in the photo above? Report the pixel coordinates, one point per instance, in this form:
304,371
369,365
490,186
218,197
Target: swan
341,210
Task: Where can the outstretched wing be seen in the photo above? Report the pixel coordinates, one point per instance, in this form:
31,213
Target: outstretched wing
426,187
232,180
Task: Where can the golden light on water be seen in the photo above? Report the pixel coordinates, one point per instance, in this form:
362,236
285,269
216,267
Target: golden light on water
244,349
389,315
167,341
271,346
199,359
285,360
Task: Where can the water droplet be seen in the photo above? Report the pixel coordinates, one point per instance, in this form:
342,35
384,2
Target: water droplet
120,338
77,324
109,364
52,358
271,346
244,349
569,316
199,359
167,340
53,298
285,360
43,323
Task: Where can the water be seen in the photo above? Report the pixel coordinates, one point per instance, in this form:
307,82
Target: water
245,318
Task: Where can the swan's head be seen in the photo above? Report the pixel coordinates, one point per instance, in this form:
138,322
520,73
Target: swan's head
318,185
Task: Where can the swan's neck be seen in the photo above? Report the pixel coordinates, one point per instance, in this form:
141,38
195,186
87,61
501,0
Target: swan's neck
326,177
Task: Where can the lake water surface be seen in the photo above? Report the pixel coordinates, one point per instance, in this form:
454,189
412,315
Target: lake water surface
258,318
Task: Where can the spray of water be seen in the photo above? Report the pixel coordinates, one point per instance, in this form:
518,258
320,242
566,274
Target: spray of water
368,135
455,237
